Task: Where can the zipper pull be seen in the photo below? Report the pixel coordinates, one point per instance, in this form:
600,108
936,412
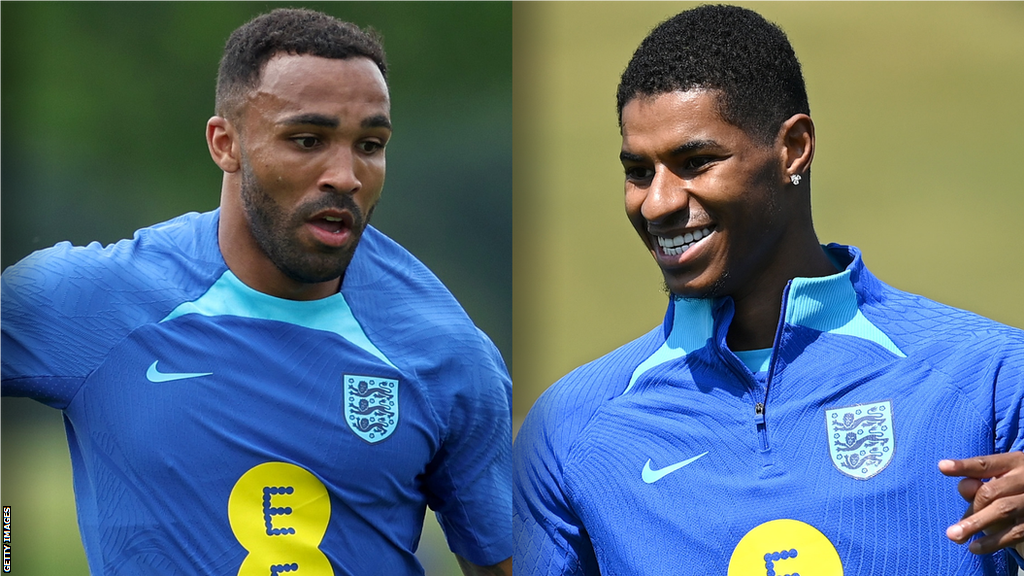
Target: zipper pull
759,413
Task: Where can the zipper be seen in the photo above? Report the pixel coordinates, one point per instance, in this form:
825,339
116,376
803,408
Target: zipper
761,407
761,396
762,428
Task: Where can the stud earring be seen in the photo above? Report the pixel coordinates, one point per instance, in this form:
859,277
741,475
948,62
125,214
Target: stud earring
795,179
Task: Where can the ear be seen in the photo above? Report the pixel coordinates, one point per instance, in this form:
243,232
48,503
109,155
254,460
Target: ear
223,140
797,146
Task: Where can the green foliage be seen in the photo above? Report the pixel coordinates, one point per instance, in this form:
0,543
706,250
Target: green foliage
104,109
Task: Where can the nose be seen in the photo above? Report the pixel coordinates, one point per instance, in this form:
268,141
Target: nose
340,172
666,197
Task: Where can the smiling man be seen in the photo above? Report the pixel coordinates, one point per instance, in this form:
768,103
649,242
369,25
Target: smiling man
793,414
274,386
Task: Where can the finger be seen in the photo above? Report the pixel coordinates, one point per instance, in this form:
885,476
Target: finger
982,466
1009,536
1003,512
968,488
1009,484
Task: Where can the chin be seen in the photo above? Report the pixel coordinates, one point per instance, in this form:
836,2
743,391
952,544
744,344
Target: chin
699,287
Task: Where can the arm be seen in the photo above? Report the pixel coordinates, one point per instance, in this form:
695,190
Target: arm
503,568
469,482
993,485
549,538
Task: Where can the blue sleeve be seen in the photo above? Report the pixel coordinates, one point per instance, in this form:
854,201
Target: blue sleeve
469,482
1008,396
64,308
549,537
51,339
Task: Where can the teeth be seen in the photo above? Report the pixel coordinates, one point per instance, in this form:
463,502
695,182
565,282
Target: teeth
682,243
332,219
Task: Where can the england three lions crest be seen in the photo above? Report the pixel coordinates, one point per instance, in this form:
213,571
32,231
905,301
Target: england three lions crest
860,438
371,406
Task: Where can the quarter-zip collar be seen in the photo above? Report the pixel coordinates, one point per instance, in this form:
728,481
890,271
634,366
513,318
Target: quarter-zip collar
830,304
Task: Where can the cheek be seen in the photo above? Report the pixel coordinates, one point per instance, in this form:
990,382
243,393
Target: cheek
634,201
371,175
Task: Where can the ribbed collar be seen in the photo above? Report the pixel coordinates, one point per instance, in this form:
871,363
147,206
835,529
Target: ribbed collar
829,304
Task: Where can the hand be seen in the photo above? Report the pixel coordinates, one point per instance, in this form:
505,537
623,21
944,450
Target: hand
995,507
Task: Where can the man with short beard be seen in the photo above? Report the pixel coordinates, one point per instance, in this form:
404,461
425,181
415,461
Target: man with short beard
245,392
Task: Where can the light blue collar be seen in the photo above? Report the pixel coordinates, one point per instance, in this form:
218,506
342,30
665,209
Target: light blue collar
828,304
229,296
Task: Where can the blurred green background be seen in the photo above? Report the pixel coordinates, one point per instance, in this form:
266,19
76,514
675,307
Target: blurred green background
920,162
104,107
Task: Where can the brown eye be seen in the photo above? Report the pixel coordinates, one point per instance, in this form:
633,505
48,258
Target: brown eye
638,173
370,146
306,142
698,162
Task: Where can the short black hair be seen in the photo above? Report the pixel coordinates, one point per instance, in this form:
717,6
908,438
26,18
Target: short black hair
291,31
732,50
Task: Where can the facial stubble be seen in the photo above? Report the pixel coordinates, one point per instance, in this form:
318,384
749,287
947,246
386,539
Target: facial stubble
275,231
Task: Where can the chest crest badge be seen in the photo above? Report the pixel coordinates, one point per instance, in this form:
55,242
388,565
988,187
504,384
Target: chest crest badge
860,438
371,406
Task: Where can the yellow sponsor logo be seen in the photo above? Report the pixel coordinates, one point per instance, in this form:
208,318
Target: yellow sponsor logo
279,514
785,547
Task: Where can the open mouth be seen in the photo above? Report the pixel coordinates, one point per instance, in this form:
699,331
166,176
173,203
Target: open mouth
333,221
679,244
332,224
332,228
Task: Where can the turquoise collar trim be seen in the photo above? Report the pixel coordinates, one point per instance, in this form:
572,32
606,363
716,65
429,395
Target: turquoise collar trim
692,327
229,296
829,304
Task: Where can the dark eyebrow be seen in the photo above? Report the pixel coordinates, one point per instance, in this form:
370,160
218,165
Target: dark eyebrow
693,146
378,121
685,148
311,119
630,157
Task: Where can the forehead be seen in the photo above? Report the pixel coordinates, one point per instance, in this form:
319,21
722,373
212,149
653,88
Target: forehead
674,118
352,88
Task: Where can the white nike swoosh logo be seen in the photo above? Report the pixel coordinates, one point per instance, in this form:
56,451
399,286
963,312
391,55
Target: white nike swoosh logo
652,476
154,375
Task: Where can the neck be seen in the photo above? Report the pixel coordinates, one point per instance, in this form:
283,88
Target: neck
758,308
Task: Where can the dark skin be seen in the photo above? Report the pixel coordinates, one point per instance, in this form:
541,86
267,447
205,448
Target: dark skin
312,129
687,170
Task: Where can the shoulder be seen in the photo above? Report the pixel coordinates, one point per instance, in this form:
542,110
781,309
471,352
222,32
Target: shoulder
980,358
162,256
400,302
919,325
563,411
544,516
65,307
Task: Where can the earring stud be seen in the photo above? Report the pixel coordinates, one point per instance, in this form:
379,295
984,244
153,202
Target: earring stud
795,179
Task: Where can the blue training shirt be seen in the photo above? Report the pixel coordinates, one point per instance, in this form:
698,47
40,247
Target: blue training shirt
218,430
670,456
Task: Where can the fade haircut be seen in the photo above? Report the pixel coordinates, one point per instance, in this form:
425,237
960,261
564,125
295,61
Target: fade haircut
288,31
728,49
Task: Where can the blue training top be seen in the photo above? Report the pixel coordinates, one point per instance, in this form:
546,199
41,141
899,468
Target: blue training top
670,456
217,430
